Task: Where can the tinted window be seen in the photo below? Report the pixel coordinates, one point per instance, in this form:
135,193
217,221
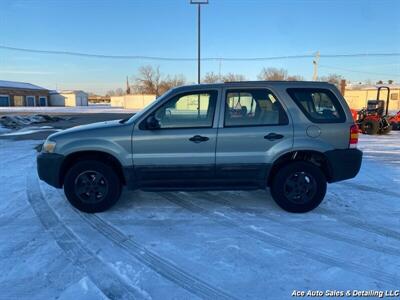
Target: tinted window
253,108
319,105
188,111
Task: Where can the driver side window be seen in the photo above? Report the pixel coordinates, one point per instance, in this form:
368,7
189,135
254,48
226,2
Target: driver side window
190,110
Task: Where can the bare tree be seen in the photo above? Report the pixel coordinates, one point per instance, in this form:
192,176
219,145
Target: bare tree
119,92
170,82
332,78
150,81
233,77
211,77
272,74
116,92
295,78
110,93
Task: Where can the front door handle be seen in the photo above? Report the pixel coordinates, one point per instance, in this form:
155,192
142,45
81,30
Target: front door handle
273,136
198,139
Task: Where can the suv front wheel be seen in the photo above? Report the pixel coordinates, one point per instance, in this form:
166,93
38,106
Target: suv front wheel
298,187
92,186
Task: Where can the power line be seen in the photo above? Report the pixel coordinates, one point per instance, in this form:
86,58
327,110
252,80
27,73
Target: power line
356,71
160,58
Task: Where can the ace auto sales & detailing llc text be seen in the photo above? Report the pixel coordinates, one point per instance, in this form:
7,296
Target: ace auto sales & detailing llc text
348,293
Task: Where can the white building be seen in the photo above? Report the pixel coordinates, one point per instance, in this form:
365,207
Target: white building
68,98
135,101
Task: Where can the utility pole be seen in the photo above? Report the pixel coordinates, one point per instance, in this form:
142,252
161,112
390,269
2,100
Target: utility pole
128,88
219,69
342,86
315,63
199,3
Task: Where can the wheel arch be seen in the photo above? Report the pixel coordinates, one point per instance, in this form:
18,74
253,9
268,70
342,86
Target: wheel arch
316,158
101,156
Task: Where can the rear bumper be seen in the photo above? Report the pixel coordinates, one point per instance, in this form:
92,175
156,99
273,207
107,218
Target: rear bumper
343,164
49,167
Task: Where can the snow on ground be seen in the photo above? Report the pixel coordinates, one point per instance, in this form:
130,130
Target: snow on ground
29,130
11,125
212,245
4,130
66,110
15,121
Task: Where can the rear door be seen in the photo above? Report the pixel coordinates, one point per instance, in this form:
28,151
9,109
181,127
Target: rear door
254,128
182,150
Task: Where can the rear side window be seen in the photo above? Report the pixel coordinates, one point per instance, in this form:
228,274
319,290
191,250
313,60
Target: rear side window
319,105
253,107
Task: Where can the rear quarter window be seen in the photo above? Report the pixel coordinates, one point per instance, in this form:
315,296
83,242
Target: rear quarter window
319,105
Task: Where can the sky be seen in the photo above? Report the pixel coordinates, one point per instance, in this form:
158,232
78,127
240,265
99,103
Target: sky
168,28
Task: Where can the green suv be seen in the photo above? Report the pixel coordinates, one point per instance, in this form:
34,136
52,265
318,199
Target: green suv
293,137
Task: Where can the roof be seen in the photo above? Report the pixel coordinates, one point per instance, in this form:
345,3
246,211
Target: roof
67,92
71,92
394,86
20,85
255,83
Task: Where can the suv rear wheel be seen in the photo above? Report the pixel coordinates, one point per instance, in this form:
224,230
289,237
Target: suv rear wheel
298,187
92,186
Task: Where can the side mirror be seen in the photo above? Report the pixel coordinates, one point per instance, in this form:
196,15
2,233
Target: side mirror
152,123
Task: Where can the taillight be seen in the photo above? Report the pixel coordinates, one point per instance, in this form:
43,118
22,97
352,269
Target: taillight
353,141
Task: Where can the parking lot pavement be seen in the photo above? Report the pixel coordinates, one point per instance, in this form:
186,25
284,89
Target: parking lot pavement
219,245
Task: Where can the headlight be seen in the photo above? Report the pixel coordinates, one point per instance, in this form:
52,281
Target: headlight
48,146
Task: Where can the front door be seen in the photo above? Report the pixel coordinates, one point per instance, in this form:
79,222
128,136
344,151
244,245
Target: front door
4,100
42,101
18,100
182,149
255,128
30,101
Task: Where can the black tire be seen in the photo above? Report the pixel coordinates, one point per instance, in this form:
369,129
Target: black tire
395,126
386,130
92,186
370,127
306,195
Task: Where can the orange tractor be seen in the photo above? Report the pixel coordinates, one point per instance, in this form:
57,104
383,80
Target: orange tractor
374,119
395,121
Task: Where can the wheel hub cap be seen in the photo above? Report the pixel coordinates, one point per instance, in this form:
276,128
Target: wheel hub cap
91,187
300,187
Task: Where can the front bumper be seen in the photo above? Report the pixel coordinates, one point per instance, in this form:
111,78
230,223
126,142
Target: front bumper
49,167
343,164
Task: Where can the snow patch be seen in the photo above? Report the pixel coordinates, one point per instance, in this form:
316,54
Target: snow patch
4,130
83,289
67,110
15,121
129,274
30,130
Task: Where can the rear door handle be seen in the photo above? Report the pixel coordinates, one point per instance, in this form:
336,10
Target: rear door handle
198,139
273,136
